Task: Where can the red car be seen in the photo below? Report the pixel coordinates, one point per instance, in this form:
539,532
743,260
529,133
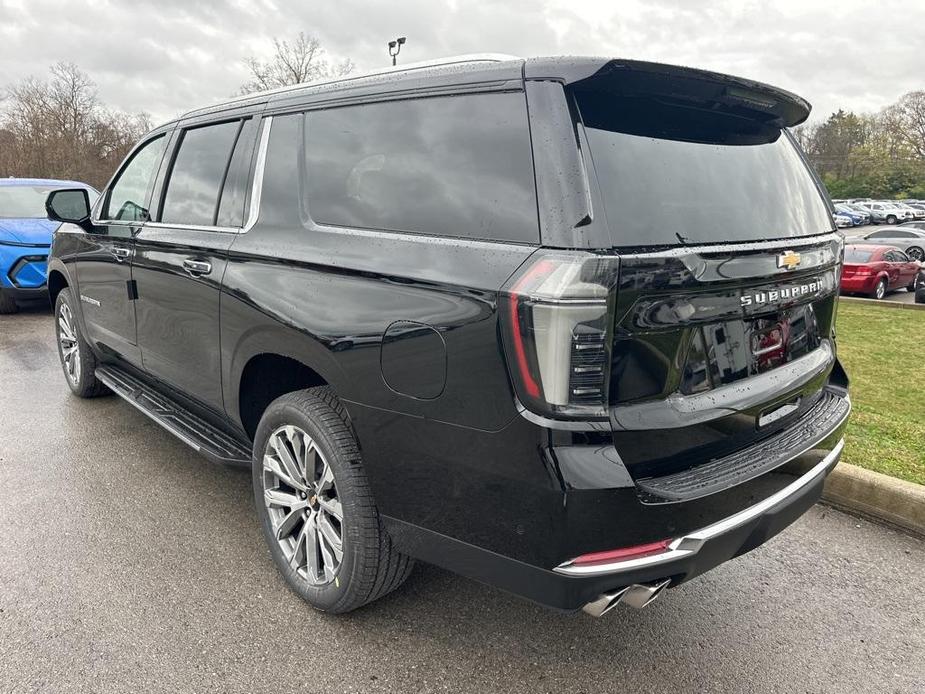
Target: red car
876,270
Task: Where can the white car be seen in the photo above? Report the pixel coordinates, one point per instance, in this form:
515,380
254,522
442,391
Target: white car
916,212
842,221
886,212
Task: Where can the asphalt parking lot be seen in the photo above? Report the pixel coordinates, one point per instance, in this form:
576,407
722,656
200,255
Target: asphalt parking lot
129,564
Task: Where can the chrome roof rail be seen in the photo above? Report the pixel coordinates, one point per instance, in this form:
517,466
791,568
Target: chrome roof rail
397,69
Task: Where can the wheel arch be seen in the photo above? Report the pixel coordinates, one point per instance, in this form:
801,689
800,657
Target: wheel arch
57,280
270,364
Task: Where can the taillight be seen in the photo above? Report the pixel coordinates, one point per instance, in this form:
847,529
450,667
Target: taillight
863,270
554,316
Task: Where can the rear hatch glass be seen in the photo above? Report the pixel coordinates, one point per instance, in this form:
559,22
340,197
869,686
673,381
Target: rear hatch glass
722,351
673,175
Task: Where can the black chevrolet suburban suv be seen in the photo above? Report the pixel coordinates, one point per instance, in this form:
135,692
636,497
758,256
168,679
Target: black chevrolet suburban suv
561,325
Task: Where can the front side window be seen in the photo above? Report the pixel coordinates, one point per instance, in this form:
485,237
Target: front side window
458,166
128,197
198,173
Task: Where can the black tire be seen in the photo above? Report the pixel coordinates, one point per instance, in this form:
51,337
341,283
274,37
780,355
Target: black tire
891,219
915,253
879,290
7,305
370,566
85,384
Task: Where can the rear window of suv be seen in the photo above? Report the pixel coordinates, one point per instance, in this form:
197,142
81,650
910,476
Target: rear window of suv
671,175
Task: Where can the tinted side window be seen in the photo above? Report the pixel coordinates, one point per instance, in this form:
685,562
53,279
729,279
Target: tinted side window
452,166
231,207
128,196
197,174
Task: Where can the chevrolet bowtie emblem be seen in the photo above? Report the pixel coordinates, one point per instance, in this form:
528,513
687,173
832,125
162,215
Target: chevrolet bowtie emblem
788,260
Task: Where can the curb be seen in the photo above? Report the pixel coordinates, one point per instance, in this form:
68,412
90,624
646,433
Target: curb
876,495
882,303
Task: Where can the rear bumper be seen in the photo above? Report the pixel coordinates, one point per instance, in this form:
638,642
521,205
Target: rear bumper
859,284
700,550
570,588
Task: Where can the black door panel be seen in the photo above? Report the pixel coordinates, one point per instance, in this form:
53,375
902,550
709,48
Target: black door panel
104,269
178,307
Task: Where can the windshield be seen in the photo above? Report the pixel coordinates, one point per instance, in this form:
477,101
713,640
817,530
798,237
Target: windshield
28,202
671,175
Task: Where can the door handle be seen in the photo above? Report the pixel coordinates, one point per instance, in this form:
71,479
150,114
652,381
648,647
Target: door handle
197,267
121,253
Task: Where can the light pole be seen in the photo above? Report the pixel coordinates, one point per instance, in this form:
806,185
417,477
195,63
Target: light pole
395,47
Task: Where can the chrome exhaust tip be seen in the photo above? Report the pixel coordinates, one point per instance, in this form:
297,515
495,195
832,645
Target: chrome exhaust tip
604,603
641,594
637,595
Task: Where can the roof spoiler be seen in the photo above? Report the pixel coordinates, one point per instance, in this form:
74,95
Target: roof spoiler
699,88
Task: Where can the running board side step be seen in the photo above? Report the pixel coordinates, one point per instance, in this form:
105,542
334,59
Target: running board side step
637,595
203,437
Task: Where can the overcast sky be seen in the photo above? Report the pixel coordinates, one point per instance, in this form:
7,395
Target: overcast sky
167,56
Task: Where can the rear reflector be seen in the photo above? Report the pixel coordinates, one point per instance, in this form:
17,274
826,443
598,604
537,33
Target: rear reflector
622,554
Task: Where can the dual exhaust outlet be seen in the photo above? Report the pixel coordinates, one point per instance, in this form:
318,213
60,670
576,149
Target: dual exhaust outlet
637,595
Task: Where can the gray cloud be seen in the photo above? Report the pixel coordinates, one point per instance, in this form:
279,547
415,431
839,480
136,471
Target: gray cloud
168,56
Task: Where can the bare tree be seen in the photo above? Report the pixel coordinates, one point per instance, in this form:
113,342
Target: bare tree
59,129
906,120
303,60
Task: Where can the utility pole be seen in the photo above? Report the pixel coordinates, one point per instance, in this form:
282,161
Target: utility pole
395,47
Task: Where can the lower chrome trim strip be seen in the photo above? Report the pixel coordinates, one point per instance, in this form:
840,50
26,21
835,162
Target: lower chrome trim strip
692,542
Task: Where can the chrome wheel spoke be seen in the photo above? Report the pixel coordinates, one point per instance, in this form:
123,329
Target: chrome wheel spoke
65,326
285,527
330,539
70,348
326,480
300,488
311,549
298,552
286,458
277,499
332,507
273,465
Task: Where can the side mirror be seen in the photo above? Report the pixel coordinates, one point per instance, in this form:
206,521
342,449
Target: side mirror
69,205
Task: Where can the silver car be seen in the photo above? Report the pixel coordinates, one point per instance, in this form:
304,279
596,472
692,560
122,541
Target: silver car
886,212
907,237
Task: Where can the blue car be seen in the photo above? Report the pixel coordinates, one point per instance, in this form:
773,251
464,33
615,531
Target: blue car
856,218
25,237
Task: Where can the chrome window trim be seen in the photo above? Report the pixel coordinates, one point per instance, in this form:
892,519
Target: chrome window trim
692,542
191,227
257,188
253,212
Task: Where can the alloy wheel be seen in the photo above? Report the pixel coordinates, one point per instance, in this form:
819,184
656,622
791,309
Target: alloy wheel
67,339
300,494
915,253
881,289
